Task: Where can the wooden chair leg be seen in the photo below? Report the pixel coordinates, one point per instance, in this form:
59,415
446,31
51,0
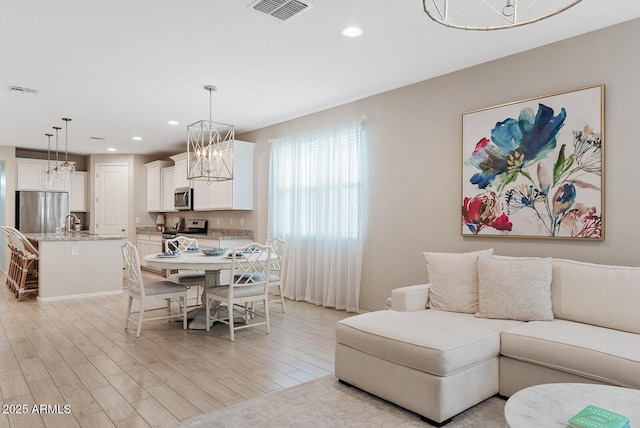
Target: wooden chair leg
24,269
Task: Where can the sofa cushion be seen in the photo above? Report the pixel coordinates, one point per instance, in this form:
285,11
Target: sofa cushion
454,280
437,342
514,289
597,294
602,354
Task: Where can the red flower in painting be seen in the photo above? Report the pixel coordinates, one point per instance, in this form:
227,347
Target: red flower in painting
484,210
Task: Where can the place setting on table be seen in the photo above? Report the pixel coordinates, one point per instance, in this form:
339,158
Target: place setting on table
209,260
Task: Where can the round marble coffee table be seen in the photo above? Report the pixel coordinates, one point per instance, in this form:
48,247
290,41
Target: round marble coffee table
553,404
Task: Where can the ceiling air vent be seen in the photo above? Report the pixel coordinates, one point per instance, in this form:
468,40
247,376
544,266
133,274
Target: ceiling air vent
281,9
21,89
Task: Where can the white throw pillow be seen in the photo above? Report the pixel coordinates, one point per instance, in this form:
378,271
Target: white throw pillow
454,280
515,289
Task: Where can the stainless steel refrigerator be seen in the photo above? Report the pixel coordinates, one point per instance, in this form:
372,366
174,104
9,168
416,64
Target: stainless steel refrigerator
41,212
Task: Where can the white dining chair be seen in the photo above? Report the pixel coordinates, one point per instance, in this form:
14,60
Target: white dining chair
144,293
248,285
279,247
188,278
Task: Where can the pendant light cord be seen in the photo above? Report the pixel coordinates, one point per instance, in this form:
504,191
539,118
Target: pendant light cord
210,103
57,128
66,138
48,152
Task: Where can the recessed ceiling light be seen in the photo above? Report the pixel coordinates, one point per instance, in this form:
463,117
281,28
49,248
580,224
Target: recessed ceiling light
137,138
111,149
352,32
173,122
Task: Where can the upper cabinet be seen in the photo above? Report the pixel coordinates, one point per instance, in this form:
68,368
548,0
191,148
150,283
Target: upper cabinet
78,196
181,179
168,179
154,184
236,194
31,176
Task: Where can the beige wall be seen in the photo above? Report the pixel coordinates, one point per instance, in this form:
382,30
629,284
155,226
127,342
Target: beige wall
414,136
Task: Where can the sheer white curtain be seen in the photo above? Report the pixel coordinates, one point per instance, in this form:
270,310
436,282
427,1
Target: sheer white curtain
316,198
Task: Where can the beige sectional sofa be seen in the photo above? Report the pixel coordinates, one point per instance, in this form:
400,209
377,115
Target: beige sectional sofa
518,322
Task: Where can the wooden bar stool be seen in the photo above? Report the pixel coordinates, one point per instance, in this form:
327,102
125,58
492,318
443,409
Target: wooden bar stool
24,265
13,262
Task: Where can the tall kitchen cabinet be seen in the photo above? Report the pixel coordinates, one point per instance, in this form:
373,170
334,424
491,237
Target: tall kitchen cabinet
78,195
154,184
168,186
236,194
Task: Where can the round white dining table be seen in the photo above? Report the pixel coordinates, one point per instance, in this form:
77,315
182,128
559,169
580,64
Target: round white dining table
211,265
196,261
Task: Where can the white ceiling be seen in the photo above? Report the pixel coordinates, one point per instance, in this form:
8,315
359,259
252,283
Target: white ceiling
123,68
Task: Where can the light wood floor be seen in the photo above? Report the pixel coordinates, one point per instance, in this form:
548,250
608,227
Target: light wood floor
77,353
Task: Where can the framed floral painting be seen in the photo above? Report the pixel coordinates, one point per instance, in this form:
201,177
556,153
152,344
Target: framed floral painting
534,168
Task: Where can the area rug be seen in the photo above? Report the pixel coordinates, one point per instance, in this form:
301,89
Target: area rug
325,402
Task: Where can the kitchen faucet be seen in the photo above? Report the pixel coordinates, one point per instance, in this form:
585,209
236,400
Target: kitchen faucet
68,223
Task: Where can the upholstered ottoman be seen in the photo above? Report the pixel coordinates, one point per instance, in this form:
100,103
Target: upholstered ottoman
435,363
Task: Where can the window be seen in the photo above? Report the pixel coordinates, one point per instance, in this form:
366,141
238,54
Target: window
316,184
316,204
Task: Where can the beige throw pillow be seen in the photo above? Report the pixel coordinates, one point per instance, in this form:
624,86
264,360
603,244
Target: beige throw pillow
515,289
454,280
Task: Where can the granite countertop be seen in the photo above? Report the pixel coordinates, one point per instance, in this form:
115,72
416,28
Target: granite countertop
73,236
211,233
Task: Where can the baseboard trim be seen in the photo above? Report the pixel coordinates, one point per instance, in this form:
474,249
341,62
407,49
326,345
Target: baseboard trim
79,296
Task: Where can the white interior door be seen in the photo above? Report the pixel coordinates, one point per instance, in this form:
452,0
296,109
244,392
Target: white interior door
111,202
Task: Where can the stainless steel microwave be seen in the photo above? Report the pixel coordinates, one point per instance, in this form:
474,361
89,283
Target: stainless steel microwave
183,199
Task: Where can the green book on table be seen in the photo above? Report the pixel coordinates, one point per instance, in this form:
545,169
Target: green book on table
597,417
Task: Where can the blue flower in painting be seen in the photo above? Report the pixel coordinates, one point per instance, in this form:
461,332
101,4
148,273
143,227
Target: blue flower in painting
515,144
564,199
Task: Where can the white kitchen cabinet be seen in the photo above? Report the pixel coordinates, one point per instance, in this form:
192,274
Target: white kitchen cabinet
236,194
154,184
168,176
31,176
180,162
78,194
148,244
155,244
142,243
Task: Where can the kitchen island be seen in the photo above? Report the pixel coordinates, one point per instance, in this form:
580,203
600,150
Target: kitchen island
77,264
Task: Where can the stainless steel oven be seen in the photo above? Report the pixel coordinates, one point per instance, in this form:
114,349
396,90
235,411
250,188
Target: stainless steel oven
183,199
